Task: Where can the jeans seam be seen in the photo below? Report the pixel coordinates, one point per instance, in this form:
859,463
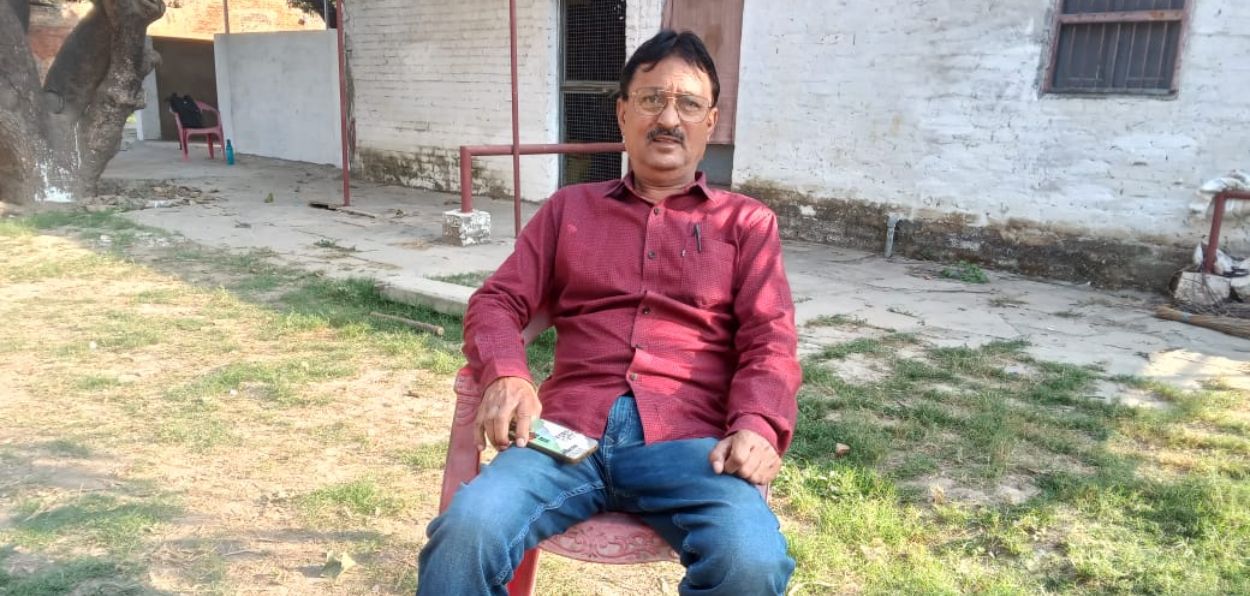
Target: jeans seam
555,503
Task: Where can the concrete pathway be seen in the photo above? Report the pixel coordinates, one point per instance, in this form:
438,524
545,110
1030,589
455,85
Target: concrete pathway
402,248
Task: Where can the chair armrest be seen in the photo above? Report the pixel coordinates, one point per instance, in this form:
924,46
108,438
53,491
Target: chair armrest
463,458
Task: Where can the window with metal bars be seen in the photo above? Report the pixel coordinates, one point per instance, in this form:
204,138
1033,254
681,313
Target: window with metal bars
1116,47
593,53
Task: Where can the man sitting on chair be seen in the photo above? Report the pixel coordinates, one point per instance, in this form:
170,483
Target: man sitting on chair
676,349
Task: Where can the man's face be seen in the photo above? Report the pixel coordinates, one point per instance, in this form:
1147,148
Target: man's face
671,143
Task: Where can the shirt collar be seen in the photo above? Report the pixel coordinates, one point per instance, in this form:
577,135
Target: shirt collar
625,184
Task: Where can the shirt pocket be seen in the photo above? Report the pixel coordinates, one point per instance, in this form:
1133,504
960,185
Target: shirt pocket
708,269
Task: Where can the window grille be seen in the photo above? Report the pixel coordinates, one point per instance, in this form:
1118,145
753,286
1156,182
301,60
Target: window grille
1117,46
593,53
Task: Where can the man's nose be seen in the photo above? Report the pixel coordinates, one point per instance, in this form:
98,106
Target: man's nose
668,116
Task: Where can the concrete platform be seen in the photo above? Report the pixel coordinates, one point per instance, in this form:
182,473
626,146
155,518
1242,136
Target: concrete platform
402,248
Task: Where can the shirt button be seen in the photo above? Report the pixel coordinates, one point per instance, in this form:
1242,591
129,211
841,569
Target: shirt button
646,310
633,376
656,211
651,254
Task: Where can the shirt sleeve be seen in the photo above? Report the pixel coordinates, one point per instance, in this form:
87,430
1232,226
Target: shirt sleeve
499,311
762,395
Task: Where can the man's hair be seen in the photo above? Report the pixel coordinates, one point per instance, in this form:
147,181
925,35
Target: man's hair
685,45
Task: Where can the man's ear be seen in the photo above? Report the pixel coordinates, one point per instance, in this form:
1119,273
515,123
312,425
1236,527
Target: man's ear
713,116
621,106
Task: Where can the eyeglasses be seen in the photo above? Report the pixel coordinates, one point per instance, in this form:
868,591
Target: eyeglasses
653,101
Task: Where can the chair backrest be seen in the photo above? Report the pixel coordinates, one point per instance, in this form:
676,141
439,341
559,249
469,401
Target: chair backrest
205,108
177,120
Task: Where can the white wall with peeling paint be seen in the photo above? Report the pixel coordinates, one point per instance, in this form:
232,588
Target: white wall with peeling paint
935,105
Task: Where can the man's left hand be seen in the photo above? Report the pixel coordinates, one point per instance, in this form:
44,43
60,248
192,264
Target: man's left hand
747,455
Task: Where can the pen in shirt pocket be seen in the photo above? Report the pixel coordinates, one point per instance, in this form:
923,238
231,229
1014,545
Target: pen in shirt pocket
698,237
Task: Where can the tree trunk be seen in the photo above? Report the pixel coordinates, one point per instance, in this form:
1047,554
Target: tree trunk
55,139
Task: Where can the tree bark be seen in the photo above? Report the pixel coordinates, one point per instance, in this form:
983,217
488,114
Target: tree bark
55,139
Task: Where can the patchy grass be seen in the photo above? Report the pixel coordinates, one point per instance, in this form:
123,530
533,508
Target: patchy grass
334,245
362,498
65,447
965,478
966,272
473,279
284,421
115,524
75,576
430,456
835,321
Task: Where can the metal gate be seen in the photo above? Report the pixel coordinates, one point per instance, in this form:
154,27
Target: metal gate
592,53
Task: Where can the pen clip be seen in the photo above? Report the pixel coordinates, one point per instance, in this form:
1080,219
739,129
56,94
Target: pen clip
698,237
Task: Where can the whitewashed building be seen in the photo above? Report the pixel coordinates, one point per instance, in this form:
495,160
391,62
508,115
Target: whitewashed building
1058,137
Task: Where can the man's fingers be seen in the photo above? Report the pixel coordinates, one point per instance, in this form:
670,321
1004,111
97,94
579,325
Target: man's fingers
497,426
522,428
717,457
739,456
479,435
751,466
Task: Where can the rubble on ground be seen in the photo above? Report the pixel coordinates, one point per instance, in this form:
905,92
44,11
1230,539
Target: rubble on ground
148,195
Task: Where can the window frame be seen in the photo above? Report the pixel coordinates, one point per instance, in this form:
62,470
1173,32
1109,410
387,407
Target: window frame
1060,19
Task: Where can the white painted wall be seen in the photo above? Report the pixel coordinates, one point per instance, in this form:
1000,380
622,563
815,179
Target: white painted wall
279,94
431,76
934,104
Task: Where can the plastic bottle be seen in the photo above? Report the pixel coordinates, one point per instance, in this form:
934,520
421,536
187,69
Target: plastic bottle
229,153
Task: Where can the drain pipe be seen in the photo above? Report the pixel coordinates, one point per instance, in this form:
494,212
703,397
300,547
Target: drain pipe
890,224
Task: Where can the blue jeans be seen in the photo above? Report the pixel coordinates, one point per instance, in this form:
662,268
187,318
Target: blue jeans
724,532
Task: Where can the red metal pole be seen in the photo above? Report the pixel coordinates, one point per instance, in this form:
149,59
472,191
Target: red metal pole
1213,241
468,151
466,180
225,14
1220,204
516,127
347,183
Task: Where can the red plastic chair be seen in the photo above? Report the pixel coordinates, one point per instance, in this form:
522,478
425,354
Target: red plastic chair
185,134
610,538
613,538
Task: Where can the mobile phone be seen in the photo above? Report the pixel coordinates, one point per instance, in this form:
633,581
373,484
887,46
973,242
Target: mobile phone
562,443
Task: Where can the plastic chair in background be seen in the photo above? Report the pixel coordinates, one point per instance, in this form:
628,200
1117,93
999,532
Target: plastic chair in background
208,132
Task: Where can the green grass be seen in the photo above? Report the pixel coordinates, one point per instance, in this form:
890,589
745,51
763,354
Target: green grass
279,383
116,524
430,456
71,577
64,447
966,272
198,431
359,498
333,245
473,279
1111,509
835,321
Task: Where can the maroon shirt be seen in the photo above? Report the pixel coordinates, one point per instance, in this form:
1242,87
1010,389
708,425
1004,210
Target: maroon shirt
685,304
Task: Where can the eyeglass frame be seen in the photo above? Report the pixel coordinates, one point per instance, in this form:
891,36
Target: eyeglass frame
669,98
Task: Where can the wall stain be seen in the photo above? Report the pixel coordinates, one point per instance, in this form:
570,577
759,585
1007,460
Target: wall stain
432,168
1029,247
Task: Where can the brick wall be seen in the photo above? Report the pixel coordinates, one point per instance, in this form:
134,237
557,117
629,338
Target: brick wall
430,76
194,19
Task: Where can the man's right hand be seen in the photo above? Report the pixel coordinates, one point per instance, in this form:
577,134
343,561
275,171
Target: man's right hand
506,399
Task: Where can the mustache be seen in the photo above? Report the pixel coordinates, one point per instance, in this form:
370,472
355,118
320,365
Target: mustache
661,131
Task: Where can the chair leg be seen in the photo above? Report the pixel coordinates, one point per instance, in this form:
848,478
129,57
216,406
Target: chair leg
522,583
184,142
210,146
